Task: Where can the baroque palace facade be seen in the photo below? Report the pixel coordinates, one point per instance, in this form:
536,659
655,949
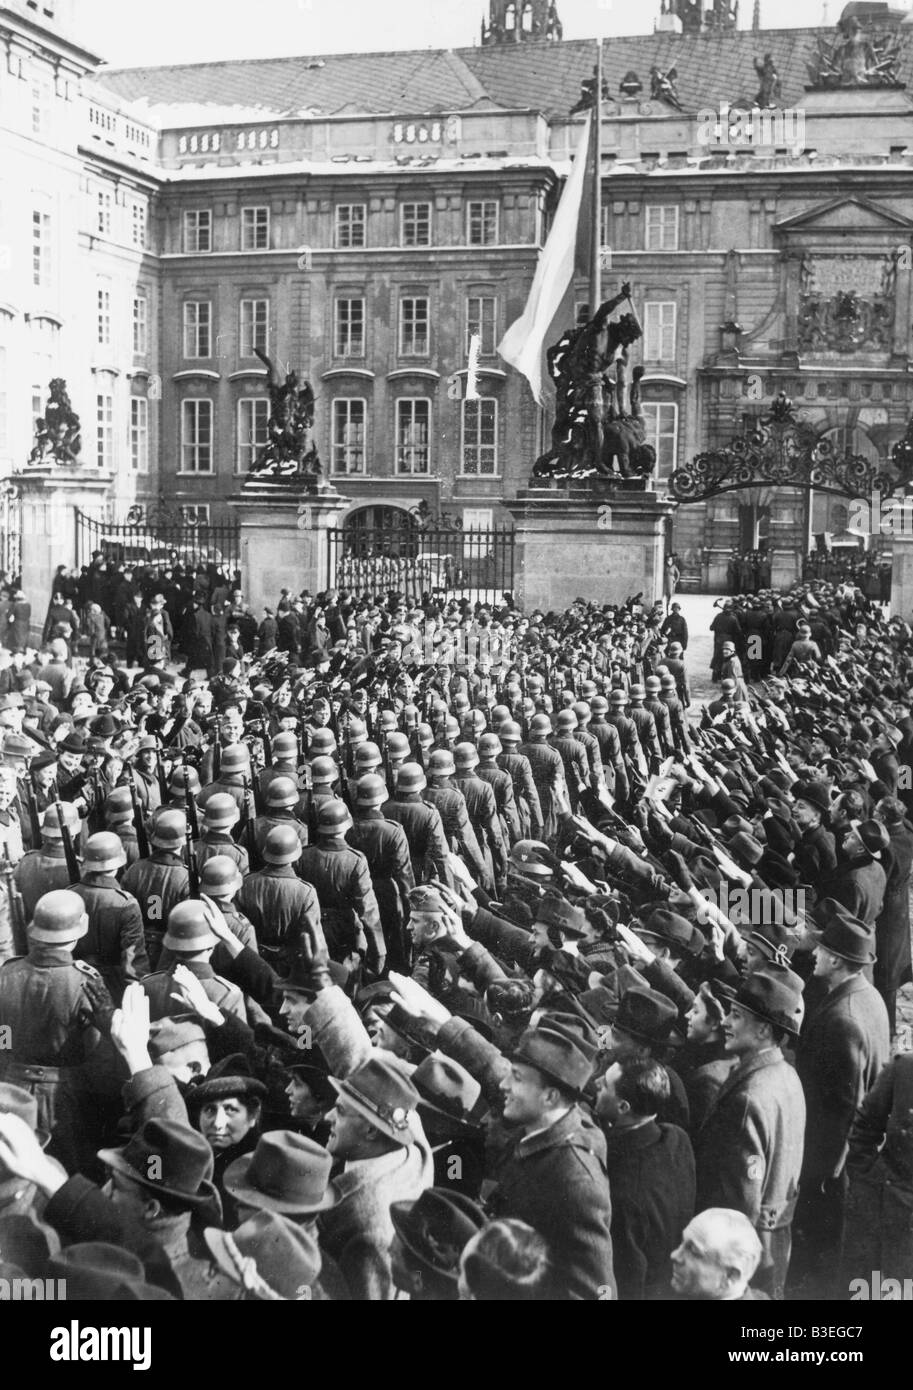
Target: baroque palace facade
359,216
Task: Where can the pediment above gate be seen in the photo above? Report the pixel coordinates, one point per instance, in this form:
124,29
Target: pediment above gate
840,216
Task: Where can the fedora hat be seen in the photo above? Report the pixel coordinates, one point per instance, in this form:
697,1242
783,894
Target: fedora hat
96,1271
675,930
774,994
772,940
874,836
175,1151
745,849
382,1093
270,1257
847,937
814,794
450,1098
555,911
646,1015
436,1228
286,1173
561,1057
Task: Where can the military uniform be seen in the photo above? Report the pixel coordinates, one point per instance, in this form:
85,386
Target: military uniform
255,832
278,906
451,805
56,1011
160,988
383,843
157,883
576,771
348,908
424,833
607,737
502,785
548,774
482,810
114,943
526,797
213,842
39,872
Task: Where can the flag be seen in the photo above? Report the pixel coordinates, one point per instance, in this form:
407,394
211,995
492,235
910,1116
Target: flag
523,342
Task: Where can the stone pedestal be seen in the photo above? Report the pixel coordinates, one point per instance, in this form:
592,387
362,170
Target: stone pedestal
51,497
902,575
284,541
578,544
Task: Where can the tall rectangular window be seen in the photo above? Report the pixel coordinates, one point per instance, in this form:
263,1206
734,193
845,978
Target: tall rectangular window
254,326
41,249
140,325
197,328
662,228
482,223
350,224
482,318
103,296
196,436
103,213
138,225
253,418
415,224
349,421
661,424
104,414
659,330
413,435
198,230
479,453
414,326
41,106
349,328
254,229
139,434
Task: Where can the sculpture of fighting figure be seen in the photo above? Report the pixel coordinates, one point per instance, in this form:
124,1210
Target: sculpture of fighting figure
854,59
599,430
664,86
770,89
57,431
290,451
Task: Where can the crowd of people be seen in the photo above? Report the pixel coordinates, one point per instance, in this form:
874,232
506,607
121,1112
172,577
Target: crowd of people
748,571
447,952
869,571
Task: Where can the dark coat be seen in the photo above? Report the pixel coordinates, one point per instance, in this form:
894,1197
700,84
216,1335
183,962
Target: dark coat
892,929
115,943
278,905
425,833
556,1181
749,1149
843,1047
879,1218
651,1179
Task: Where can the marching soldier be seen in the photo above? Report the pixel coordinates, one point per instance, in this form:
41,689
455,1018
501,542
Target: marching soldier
422,824
219,815
647,731
275,900
234,772
114,942
383,843
44,869
192,941
482,809
450,802
120,821
610,748
517,766
340,876
490,748
282,797
548,770
160,882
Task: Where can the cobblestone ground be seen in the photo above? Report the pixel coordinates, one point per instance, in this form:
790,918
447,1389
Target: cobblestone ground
699,611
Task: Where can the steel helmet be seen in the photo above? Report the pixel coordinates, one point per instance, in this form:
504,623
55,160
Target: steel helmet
566,720
357,729
176,784
367,755
324,771
322,743
188,928
398,744
652,685
540,724
425,735
60,916
441,763
235,758
220,876
119,805
220,811
50,825
283,845
282,792
581,710
489,746
475,722
510,732
411,778
599,704
333,817
285,746
618,697
103,853
638,692
169,829
451,727
466,755
371,791
387,720
530,858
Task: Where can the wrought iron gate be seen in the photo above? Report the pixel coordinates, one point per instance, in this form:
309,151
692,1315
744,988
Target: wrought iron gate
414,558
158,541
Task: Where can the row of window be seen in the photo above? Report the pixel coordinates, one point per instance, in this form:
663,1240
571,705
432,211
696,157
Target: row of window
348,434
105,219
416,226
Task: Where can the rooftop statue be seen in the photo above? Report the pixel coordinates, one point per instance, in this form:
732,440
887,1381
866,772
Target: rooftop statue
853,59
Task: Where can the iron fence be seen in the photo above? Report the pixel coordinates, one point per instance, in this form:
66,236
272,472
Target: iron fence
159,546
412,560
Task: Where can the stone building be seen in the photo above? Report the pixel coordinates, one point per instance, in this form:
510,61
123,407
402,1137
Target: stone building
297,206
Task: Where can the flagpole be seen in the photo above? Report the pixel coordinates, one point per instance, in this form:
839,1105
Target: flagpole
596,239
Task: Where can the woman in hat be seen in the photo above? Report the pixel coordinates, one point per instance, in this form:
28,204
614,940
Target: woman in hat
227,1109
